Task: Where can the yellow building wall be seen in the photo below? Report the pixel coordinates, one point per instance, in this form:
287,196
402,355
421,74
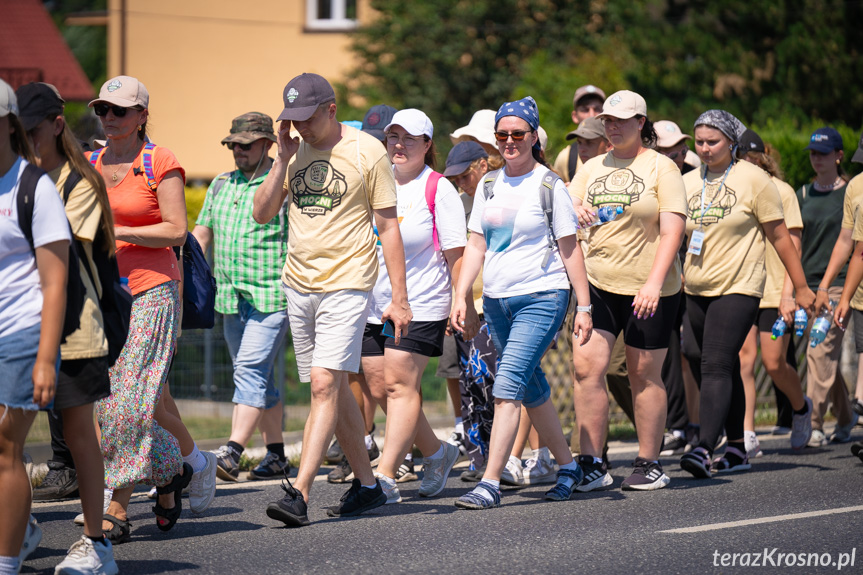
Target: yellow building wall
205,62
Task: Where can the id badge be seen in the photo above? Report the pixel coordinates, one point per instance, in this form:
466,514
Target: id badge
695,243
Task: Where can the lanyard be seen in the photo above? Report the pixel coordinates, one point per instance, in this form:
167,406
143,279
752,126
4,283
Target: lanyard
716,195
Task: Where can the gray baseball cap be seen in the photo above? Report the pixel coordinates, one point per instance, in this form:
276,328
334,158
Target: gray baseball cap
303,95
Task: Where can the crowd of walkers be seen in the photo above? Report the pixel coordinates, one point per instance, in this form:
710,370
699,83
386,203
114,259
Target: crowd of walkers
669,269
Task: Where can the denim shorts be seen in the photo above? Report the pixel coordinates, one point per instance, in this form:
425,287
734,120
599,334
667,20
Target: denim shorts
17,358
522,327
254,339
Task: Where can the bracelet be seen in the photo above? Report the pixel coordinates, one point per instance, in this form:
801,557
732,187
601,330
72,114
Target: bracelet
821,289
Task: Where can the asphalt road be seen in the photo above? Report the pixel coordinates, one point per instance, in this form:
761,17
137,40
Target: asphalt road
808,505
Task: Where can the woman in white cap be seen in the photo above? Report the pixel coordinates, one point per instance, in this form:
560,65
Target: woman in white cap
141,436
732,207
431,219
480,129
634,275
529,256
32,305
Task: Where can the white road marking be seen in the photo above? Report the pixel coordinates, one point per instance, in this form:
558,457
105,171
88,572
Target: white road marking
775,518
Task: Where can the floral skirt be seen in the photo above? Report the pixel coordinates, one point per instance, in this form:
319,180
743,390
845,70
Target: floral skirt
135,448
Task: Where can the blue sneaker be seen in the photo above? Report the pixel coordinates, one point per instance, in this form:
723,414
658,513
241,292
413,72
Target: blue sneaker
471,500
567,479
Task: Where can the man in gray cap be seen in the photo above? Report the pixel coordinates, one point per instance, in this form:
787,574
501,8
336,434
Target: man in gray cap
335,179
586,103
246,259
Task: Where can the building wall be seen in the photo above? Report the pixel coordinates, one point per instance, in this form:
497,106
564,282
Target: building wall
205,62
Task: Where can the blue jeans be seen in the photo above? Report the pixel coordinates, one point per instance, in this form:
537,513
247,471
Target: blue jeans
522,328
253,339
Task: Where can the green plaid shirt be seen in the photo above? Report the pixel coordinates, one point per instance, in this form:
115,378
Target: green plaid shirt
248,257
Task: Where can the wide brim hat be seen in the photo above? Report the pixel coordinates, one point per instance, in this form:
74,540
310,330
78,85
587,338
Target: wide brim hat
480,128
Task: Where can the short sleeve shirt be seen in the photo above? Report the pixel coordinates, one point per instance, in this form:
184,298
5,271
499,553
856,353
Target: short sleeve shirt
852,217
822,214
428,277
516,234
620,253
134,204
732,259
775,267
331,195
247,256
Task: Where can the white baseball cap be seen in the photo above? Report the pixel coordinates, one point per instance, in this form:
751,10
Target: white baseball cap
414,121
668,134
623,105
8,100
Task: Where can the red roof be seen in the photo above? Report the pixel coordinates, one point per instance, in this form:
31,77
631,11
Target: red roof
32,50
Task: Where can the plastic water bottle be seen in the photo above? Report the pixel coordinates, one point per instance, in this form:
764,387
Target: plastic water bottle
821,326
779,327
801,319
124,283
605,215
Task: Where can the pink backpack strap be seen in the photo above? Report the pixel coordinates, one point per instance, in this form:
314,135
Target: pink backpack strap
431,191
94,156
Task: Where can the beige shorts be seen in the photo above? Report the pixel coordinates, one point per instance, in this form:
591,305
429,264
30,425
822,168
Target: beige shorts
327,329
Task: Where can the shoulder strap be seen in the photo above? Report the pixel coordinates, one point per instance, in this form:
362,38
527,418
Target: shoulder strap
573,159
71,181
488,184
219,183
94,156
431,191
147,164
26,200
546,202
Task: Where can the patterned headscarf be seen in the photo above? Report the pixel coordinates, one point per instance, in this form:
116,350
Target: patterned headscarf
524,109
724,122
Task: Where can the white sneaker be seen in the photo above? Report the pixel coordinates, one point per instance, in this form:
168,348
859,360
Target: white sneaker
32,538
87,557
106,500
801,427
390,488
750,441
539,468
512,473
817,439
202,487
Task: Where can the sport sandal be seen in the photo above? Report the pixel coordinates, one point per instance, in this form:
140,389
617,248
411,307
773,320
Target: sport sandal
725,465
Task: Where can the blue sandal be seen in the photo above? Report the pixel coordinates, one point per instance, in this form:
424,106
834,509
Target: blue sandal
561,491
473,500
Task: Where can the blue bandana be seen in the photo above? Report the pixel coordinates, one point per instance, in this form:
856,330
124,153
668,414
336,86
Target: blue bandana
524,109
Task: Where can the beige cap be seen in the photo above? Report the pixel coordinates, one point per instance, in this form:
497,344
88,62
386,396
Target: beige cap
589,90
668,134
124,91
589,129
623,105
480,128
8,100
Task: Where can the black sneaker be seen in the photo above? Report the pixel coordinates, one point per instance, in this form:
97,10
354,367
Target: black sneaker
342,473
596,475
270,467
457,439
646,476
334,453
406,472
291,509
227,463
857,406
60,482
672,445
358,499
857,449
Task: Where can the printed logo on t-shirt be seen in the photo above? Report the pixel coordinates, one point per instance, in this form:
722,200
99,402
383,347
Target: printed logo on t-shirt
619,188
719,207
318,188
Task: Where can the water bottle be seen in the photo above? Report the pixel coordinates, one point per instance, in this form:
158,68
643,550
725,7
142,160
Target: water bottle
778,328
124,283
800,322
605,215
821,326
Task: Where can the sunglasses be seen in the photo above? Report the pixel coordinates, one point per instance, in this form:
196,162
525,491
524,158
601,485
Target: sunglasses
516,136
101,110
244,147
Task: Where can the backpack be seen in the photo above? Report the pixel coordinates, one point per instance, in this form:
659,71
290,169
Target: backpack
75,291
546,202
431,191
114,301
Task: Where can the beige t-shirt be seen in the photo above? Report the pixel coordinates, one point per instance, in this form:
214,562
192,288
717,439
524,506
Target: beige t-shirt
733,252
331,239
619,255
775,268
852,218
84,213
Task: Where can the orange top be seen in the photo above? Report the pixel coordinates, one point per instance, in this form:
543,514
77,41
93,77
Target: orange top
134,204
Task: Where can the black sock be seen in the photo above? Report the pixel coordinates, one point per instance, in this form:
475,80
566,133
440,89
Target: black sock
99,539
278,449
733,458
238,450
803,410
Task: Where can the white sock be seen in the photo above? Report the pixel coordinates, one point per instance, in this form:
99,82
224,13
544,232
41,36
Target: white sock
372,486
572,465
459,425
409,456
8,564
596,460
483,493
679,433
369,441
196,459
541,453
391,482
749,434
437,454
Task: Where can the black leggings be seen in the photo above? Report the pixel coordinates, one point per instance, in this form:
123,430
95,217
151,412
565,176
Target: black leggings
718,328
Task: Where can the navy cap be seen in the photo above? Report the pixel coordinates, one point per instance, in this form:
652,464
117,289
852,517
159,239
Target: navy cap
858,155
376,118
750,142
825,140
303,95
461,156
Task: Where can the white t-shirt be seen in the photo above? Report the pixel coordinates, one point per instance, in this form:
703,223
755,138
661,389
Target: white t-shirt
516,235
428,279
20,292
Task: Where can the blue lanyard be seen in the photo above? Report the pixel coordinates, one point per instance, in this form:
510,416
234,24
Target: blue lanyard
716,195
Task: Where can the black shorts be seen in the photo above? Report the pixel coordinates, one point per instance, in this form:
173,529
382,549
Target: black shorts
448,366
613,313
858,330
423,338
82,381
766,317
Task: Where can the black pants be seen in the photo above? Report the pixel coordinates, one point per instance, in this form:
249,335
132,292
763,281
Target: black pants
672,377
719,326
58,443
784,411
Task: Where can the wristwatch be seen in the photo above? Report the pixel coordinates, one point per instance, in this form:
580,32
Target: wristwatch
584,309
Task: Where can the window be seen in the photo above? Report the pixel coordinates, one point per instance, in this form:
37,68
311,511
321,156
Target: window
331,15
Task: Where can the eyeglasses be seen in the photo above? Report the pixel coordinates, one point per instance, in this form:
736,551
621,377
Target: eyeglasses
407,141
516,136
244,147
673,155
101,110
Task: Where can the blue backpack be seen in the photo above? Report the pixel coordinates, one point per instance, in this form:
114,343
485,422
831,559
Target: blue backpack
199,285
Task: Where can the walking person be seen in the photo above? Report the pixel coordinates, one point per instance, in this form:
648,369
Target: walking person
335,180
528,257
634,275
246,258
32,309
733,206
141,436
586,103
